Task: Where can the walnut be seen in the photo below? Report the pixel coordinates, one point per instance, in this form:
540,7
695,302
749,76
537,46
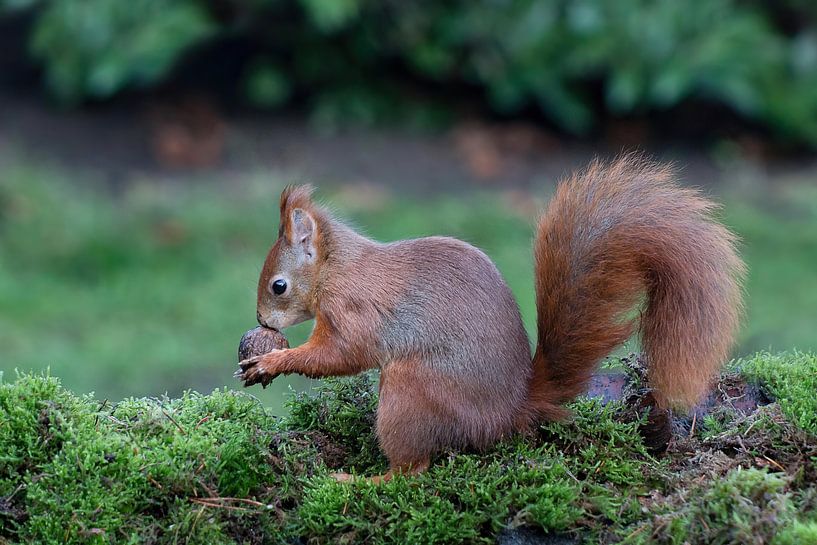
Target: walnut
260,340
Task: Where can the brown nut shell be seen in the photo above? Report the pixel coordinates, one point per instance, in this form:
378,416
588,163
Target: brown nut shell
260,340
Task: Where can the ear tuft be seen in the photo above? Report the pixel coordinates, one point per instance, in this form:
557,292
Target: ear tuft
295,196
292,197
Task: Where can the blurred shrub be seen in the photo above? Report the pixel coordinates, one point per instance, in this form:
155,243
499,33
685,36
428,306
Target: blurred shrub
97,47
576,60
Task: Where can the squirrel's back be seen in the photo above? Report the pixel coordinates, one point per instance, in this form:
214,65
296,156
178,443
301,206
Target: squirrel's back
454,306
438,300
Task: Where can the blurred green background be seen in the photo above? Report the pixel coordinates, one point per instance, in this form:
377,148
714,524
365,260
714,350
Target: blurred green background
143,144
574,61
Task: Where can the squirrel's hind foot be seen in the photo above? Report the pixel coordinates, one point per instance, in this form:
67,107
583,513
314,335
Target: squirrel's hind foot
407,470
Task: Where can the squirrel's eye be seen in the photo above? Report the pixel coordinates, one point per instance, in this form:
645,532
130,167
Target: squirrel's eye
279,286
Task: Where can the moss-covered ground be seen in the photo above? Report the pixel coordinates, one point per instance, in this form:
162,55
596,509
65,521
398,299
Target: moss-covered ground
219,468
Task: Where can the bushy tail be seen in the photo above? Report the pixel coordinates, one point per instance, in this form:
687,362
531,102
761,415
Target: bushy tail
613,237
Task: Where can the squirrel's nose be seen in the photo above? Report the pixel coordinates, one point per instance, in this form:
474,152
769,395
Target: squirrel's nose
260,319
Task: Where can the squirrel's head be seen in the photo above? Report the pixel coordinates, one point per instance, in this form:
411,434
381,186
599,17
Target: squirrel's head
287,282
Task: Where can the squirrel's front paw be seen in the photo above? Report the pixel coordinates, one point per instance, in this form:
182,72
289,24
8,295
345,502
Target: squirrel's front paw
258,369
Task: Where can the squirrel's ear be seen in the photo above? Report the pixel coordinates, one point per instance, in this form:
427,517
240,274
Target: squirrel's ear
303,230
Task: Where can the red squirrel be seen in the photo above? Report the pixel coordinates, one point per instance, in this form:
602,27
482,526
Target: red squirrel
435,316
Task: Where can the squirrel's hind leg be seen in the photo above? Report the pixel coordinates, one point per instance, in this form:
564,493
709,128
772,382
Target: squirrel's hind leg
414,418
409,423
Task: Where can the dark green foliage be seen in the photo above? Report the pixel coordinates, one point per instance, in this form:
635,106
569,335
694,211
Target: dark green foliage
576,61
95,48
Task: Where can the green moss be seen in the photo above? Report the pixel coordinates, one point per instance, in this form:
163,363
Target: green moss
791,378
746,506
465,498
798,533
33,425
343,410
96,473
220,468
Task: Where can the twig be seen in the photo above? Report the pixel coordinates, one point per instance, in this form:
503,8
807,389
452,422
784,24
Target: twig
220,502
202,421
752,425
774,463
181,429
692,428
207,488
635,533
218,505
99,410
571,474
727,398
228,499
116,420
196,520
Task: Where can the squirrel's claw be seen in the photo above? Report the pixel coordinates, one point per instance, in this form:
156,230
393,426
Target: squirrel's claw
247,372
249,363
250,373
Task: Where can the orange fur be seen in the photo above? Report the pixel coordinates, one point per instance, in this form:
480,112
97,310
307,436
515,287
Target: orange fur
610,235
